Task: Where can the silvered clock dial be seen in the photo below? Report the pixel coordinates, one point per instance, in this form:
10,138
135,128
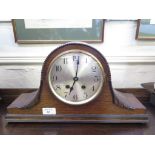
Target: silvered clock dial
76,77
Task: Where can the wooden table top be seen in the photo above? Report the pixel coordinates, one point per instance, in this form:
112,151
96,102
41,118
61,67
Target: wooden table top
77,129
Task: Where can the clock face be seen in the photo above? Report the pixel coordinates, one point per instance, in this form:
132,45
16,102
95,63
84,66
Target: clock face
76,77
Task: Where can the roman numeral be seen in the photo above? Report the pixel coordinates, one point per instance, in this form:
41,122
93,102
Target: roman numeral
75,97
54,78
65,61
75,58
58,87
58,68
93,88
85,95
65,94
86,60
93,68
96,78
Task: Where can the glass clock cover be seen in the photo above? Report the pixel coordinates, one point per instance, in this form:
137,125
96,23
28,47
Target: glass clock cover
76,77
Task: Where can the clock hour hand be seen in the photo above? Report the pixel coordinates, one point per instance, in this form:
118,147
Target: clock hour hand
71,88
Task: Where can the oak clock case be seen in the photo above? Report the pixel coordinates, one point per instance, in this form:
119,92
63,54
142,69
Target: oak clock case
76,87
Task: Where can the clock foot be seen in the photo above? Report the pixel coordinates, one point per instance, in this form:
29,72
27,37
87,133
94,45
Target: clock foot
84,118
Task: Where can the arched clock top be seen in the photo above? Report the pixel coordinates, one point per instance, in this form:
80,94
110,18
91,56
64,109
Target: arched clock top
68,52
75,46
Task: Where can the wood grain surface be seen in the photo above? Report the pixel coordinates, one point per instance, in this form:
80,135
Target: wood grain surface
76,129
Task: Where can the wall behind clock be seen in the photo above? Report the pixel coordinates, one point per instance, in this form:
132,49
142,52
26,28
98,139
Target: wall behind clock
131,62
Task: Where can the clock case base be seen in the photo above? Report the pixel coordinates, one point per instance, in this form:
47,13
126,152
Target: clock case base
124,100
131,118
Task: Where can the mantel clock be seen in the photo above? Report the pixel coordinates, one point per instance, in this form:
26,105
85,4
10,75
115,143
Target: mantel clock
76,87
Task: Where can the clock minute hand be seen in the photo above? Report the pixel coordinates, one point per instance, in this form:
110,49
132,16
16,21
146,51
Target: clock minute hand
75,78
77,67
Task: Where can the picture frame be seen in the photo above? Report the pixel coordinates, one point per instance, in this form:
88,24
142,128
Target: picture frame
43,31
145,29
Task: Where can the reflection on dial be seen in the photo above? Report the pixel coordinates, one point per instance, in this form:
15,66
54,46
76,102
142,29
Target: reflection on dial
76,77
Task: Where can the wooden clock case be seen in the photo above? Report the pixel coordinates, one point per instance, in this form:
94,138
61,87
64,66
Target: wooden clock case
110,106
